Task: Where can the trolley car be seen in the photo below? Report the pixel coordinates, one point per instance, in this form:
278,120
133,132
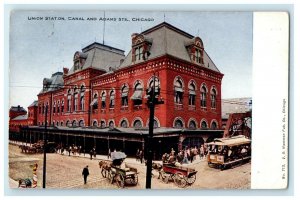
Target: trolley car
228,152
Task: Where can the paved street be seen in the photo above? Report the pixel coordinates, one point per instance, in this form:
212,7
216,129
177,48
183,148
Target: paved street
64,171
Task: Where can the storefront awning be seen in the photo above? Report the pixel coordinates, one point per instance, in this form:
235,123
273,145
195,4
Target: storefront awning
137,95
178,89
94,102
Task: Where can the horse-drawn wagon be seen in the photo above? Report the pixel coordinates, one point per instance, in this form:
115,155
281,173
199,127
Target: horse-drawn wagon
182,176
115,171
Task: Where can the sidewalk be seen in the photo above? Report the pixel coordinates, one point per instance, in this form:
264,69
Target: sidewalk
129,160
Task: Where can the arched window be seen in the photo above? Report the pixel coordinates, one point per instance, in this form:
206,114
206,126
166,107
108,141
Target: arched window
204,125
203,96
214,125
111,125
62,123
192,124
57,123
137,124
81,123
192,94
40,109
178,88
54,107
95,123
124,124
68,123
178,124
69,101
124,95
112,99
75,104
103,99
94,103
74,123
102,124
62,106
137,95
153,81
82,90
213,98
58,107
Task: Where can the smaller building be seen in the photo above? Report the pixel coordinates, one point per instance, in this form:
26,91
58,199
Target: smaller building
235,105
15,111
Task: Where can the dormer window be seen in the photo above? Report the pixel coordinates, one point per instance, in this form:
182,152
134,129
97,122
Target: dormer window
79,60
199,56
140,47
138,53
195,49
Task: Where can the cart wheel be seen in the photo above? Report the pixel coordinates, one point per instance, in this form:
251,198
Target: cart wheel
134,179
191,179
110,177
180,180
164,176
120,181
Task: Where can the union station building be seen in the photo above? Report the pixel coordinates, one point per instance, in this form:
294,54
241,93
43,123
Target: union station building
101,100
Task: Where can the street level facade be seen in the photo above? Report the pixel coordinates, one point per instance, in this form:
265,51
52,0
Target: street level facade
103,96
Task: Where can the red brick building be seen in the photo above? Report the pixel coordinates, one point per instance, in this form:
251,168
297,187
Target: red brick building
105,89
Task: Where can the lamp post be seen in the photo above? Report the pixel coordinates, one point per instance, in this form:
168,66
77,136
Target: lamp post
45,148
152,100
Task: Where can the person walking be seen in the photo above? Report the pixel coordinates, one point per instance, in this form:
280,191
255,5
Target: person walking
109,154
91,154
85,173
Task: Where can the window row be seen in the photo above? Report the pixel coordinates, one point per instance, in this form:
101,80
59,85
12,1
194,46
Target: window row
192,93
137,96
192,124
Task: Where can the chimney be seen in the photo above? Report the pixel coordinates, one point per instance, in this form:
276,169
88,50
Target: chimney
66,70
19,107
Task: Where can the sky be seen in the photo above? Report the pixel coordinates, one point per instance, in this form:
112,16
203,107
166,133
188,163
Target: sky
39,48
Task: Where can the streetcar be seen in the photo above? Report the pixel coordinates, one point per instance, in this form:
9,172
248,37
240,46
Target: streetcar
228,152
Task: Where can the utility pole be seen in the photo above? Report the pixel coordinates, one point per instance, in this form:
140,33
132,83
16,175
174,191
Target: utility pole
45,148
152,100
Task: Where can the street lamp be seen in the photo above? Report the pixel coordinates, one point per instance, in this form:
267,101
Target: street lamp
45,148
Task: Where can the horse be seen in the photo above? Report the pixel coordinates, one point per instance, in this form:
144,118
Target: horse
105,167
25,183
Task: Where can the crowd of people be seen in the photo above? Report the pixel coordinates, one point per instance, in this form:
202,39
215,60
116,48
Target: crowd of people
186,155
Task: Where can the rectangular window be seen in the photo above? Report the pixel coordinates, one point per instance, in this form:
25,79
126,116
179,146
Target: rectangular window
138,53
62,108
54,109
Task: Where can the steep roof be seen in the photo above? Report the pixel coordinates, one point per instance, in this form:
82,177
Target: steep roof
34,103
100,56
21,117
55,82
17,109
169,40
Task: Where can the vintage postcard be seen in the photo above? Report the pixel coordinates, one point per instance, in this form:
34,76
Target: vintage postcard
139,100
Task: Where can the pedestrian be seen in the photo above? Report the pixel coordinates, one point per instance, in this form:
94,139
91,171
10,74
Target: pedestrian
137,155
91,153
141,155
109,154
85,173
94,151
70,149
